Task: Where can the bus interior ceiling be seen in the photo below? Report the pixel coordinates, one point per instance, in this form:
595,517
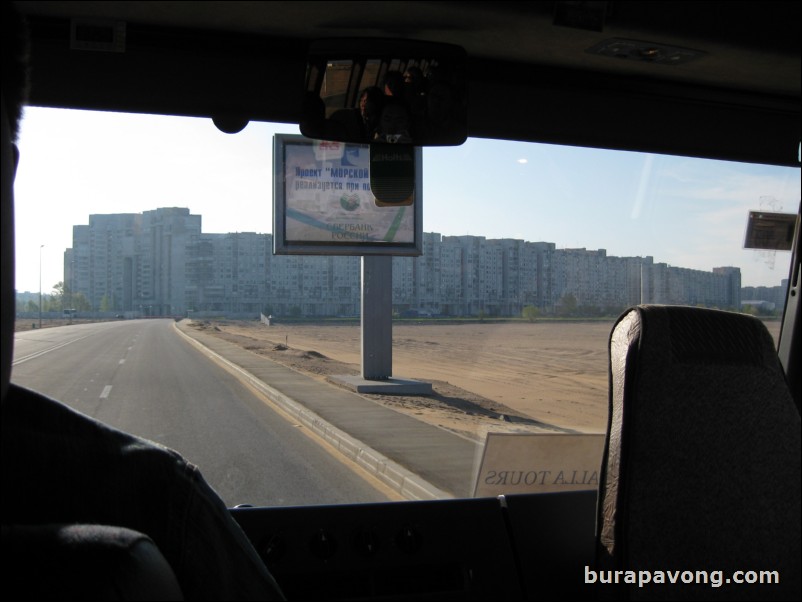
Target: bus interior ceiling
537,71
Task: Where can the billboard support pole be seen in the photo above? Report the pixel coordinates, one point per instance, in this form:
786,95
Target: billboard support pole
377,317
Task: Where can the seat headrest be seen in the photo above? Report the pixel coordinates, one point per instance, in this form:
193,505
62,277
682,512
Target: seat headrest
702,463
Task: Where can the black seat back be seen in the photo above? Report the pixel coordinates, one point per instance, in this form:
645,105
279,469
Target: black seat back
701,470
84,562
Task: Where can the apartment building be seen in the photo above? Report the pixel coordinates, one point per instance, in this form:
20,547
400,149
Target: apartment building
133,262
161,263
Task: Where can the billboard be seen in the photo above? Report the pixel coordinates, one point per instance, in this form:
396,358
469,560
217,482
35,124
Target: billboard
323,204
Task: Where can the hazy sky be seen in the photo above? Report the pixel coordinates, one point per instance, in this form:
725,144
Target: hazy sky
685,212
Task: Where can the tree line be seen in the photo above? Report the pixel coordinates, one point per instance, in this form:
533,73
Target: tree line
59,299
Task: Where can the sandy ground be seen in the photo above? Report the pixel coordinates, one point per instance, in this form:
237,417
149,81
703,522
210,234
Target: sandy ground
510,377
518,377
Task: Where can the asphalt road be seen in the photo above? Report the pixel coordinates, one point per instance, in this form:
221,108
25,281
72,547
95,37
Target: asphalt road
142,377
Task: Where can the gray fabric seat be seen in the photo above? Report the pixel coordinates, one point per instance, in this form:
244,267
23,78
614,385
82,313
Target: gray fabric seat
701,471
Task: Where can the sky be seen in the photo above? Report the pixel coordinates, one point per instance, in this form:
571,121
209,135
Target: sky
685,212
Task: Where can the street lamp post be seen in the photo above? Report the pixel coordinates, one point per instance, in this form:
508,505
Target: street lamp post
40,286
72,284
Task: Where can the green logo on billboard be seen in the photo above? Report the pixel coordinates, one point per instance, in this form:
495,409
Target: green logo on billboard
349,202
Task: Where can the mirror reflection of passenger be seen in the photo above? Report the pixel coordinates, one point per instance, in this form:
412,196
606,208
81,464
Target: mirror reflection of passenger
313,119
440,122
394,84
413,78
395,124
370,106
359,123
415,91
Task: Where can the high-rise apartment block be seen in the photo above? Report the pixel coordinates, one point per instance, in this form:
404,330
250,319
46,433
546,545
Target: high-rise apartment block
160,263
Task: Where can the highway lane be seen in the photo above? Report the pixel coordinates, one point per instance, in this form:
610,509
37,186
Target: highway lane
142,377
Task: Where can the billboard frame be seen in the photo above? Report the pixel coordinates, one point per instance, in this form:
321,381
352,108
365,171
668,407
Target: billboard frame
283,245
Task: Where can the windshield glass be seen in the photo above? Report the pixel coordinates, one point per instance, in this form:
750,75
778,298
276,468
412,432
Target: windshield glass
148,297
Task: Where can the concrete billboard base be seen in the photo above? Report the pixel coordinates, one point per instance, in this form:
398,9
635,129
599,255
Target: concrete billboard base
389,386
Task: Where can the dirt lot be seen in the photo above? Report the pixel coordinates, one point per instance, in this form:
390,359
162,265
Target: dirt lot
501,377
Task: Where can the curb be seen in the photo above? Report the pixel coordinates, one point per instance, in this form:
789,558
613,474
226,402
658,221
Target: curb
392,474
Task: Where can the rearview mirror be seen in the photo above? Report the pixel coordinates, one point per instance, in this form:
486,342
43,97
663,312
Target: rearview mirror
389,91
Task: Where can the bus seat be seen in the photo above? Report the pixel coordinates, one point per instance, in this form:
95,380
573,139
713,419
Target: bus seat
84,562
701,469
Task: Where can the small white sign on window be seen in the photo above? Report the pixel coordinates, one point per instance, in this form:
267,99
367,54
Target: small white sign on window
539,463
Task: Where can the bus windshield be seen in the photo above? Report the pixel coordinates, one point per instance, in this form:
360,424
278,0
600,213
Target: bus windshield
149,297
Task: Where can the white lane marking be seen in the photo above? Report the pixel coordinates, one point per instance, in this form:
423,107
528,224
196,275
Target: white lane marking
106,391
122,361
41,353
